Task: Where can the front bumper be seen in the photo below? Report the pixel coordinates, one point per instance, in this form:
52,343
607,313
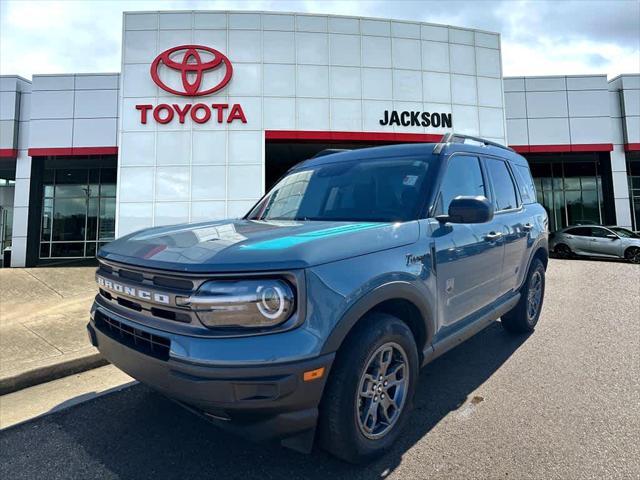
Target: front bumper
263,402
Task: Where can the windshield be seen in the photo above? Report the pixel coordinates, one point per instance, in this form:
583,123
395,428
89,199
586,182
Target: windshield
623,232
379,190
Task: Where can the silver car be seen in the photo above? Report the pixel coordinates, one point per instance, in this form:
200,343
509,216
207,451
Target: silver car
596,241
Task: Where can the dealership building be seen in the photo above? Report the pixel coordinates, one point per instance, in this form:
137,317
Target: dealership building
211,108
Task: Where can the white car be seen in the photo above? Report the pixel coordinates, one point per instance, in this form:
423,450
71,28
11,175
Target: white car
596,241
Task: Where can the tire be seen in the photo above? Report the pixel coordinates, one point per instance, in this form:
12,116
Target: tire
563,251
341,428
524,316
632,254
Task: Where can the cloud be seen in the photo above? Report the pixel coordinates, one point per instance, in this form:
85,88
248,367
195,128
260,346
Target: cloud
538,37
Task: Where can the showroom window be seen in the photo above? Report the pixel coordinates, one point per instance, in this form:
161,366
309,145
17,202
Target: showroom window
78,211
570,189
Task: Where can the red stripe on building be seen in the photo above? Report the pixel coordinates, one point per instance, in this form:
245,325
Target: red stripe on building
576,147
72,151
8,153
327,136
632,147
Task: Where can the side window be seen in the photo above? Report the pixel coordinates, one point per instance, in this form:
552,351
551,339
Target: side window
503,188
580,231
525,183
463,177
599,232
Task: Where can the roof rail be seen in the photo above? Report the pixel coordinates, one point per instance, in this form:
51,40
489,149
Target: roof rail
451,137
330,151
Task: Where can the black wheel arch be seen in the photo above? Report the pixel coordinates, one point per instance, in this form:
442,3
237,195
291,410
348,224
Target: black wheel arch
399,298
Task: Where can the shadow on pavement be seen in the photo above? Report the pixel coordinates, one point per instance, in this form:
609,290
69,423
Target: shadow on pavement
138,433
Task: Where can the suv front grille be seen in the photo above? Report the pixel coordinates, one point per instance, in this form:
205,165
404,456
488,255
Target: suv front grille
140,279
144,342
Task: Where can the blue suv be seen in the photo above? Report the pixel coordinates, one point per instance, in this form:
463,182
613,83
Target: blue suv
309,319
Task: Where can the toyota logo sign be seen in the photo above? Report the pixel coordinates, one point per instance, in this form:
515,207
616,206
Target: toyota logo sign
192,61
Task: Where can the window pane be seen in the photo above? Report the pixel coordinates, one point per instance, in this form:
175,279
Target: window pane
91,249
47,218
69,218
588,183
572,183
504,190
580,231
574,207
558,207
462,178
67,249
525,183
108,182
599,232
71,182
590,209
44,250
107,218
92,218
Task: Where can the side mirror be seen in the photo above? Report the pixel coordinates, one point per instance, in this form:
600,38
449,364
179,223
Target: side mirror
468,210
612,236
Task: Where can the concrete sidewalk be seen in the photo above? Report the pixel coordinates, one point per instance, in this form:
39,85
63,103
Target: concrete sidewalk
43,313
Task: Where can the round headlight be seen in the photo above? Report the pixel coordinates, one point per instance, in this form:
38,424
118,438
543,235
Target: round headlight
243,303
272,302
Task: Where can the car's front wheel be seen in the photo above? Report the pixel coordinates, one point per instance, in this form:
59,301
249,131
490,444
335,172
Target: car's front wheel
369,392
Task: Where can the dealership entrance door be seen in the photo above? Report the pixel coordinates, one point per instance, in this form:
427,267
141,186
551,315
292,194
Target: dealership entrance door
574,188
78,207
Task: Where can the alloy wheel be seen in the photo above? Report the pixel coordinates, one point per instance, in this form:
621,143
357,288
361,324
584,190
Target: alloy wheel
563,251
382,391
534,298
633,255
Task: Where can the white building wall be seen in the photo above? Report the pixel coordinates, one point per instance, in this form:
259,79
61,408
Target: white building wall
560,110
59,111
291,72
15,102
74,111
624,98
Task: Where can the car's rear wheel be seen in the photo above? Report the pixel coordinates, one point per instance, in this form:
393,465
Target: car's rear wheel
632,254
563,251
523,318
368,395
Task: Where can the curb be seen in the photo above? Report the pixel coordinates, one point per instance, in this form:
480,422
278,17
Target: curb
47,373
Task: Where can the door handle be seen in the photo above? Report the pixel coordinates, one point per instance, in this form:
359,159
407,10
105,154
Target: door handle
527,226
491,236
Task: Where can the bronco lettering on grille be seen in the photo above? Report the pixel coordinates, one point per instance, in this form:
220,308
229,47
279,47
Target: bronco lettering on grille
133,292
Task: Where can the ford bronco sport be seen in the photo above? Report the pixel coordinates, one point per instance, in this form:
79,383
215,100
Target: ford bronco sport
309,319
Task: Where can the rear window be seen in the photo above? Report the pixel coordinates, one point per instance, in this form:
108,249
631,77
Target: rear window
503,188
525,183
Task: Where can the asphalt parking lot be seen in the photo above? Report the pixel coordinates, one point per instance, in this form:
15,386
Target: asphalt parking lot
562,403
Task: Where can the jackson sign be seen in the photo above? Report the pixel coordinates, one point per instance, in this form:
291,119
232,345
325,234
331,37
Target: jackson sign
416,119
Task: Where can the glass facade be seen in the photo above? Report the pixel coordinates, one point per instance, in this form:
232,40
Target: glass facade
570,189
633,172
78,211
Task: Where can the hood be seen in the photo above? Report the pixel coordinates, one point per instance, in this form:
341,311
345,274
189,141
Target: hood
248,245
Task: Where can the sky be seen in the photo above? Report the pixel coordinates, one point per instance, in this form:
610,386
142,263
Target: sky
539,37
